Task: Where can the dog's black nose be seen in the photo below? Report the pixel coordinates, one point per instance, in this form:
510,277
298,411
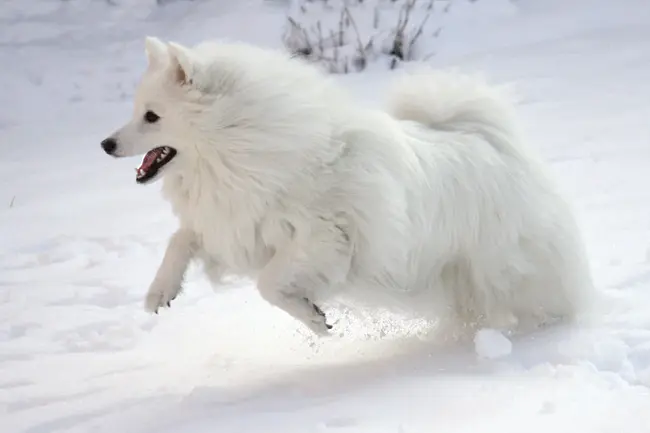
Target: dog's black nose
109,145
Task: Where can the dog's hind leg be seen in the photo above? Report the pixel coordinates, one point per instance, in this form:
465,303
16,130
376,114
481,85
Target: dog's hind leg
168,280
305,269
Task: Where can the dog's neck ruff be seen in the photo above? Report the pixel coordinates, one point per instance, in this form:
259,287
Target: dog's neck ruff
225,212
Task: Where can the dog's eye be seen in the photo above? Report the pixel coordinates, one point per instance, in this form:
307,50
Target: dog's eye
151,117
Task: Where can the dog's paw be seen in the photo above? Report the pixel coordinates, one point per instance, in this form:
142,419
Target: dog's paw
158,297
319,327
318,322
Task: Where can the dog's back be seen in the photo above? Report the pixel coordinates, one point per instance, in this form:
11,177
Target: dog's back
490,231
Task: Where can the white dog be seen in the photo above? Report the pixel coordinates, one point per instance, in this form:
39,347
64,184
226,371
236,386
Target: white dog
275,175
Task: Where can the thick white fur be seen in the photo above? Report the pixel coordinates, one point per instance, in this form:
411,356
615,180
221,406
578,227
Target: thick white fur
434,205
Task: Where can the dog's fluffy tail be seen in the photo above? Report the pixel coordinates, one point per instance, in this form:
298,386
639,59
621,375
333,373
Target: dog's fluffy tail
448,101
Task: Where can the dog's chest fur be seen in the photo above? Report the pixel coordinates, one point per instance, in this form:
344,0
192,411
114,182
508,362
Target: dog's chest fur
232,228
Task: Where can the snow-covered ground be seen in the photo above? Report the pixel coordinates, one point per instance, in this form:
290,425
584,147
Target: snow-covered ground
80,241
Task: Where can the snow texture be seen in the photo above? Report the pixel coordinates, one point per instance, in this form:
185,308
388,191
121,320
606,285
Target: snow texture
80,242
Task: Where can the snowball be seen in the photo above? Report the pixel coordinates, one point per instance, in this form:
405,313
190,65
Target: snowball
491,344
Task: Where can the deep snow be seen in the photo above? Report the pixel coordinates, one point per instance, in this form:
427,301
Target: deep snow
80,241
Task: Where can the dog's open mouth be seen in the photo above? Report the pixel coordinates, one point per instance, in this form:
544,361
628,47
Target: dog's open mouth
152,162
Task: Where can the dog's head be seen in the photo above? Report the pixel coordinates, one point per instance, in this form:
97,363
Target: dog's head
250,113
166,106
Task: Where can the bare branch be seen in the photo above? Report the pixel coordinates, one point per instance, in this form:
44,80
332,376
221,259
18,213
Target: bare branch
356,29
418,33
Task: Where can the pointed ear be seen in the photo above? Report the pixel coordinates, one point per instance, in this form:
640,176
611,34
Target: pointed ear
182,64
156,51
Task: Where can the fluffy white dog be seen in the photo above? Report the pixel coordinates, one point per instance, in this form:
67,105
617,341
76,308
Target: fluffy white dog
275,175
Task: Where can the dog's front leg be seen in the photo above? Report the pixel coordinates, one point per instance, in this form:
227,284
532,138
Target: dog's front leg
304,269
168,280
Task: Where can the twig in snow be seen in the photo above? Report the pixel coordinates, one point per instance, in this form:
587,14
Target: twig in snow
356,29
362,61
419,31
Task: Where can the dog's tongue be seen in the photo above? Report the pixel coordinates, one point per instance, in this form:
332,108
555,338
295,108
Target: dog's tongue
148,160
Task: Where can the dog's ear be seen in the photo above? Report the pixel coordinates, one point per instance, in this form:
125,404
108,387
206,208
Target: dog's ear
156,52
182,65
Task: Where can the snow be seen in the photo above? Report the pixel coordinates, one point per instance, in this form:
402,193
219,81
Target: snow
80,242
491,344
